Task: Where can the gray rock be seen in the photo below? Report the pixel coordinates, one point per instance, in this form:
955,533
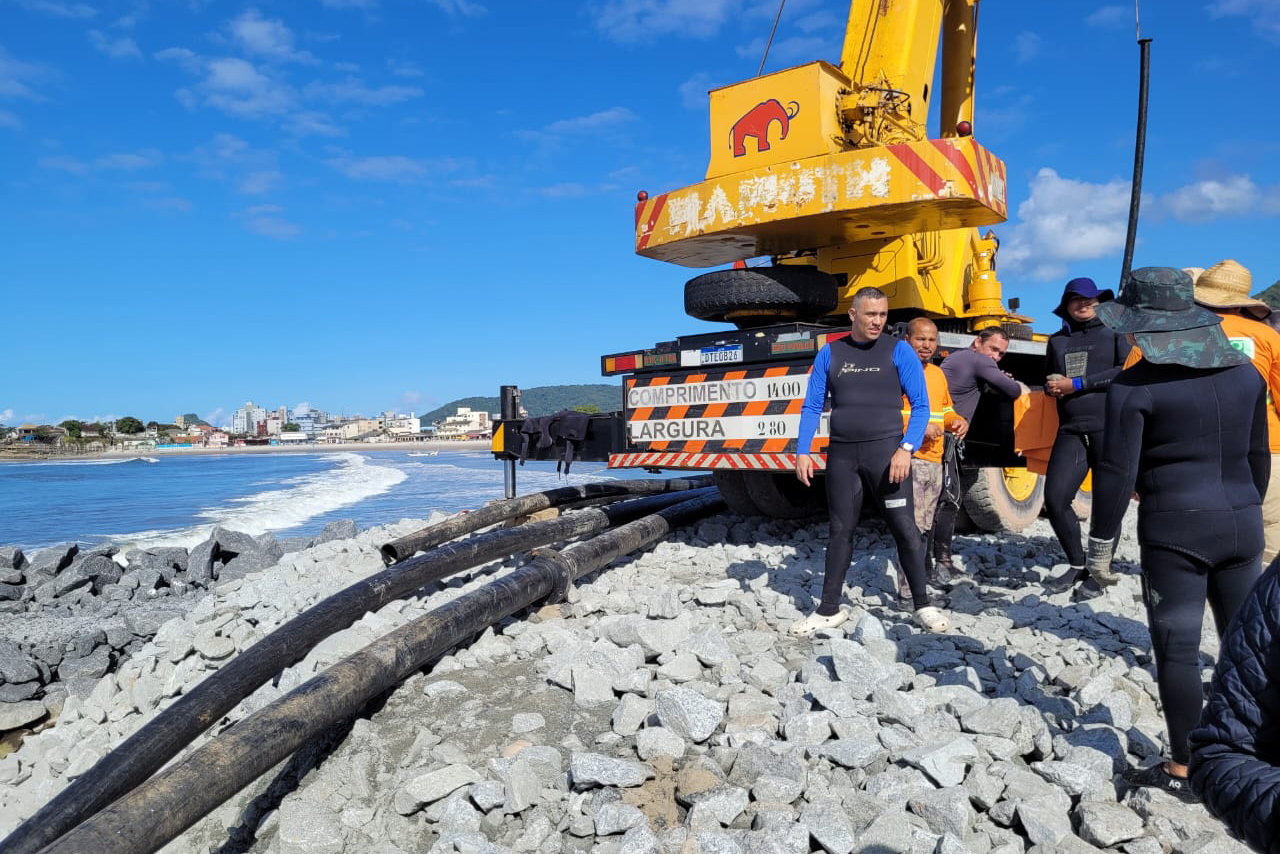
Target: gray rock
14,715
709,645
1043,821
1107,824
145,622
296,544
245,564
616,817
13,693
724,803
776,790
488,794
856,751
945,810
524,722
829,826
11,557
340,529
689,714
757,760
856,667
51,560
593,769
92,666
659,741
87,641
630,714
945,763
11,592
200,562
1073,779
639,840
214,647
434,785
809,729
999,717
309,828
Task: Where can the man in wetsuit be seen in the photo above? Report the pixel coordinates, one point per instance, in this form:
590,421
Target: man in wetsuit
969,373
926,465
867,374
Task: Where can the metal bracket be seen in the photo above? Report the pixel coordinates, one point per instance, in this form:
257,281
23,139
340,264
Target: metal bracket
564,589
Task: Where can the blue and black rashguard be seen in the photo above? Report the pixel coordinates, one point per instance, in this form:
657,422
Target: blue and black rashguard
867,381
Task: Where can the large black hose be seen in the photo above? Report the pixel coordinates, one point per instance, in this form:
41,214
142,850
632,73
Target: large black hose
148,749
500,511
158,811
1139,154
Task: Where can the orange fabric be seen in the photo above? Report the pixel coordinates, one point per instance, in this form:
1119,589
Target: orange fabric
941,412
1134,357
1035,426
1261,344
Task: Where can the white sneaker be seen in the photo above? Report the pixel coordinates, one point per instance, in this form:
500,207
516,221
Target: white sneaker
933,619
811,624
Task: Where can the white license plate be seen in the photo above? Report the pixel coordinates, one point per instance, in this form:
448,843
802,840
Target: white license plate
721,355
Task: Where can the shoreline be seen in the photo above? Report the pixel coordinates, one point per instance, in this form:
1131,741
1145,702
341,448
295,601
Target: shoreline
345,447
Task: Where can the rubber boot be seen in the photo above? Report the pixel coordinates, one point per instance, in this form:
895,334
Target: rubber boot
944,570
1072,576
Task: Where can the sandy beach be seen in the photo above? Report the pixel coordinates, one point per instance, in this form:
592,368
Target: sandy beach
363,447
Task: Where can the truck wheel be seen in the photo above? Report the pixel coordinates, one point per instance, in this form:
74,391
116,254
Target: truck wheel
1001,499
780,496
758,296
733,489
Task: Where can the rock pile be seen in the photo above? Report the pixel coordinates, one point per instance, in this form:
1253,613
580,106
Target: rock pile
666,710
73,615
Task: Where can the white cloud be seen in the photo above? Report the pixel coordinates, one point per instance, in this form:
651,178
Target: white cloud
392,167
460,7
266,38
121,48
1026,46
1263,14
216,417
1064,221
302,408
592,123
312,123
404,69
168,203
262,220
71,11
411,398
1215,198
1110,17
64,163
693,92
129,161
237,87
259,182
16,77
6,415
637,20
353,90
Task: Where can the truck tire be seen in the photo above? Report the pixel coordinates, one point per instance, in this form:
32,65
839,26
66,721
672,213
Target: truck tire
780,496
999,499
733,489
759,296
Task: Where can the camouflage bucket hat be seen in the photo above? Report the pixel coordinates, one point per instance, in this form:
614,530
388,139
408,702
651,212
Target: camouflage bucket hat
1157,305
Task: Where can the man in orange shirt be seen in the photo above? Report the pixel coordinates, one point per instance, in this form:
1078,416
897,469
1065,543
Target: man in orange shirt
1224,288
926,464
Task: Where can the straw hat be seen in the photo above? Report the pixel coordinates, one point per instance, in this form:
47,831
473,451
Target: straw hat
1193,272
1156,306
1227,285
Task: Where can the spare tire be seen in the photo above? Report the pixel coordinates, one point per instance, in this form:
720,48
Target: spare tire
780,495
733,489
758,296
999,499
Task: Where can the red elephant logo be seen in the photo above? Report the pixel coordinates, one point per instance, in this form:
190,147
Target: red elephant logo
756,124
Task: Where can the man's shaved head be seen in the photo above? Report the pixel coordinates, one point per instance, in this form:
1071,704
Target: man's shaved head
921,324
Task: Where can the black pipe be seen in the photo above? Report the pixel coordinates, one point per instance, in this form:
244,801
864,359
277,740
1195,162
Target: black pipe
501,511
161,809
1139,154
148,749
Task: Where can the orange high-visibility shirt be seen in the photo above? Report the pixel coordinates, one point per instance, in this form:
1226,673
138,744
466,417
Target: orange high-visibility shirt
941,412
1261,344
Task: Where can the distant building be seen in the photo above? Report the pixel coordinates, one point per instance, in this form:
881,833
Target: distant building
401,425
216,439
462,422
248,418
294,438
274,425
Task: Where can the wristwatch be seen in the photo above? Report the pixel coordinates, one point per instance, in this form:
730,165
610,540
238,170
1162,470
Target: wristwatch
908,447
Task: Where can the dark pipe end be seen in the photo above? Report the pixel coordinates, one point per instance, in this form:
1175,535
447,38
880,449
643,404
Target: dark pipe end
389,555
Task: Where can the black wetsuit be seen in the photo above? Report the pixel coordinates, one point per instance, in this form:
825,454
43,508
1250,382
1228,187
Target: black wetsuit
1091,356
969,373
1194,444
867,381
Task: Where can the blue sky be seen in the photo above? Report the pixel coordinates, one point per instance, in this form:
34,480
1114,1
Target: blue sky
372,204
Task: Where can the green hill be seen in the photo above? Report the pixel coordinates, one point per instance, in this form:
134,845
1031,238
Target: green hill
1271,296
543,400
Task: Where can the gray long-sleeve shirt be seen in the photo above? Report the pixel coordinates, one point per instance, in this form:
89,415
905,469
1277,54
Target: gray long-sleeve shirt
969,373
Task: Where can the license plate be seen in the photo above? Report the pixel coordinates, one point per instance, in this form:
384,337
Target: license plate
721,355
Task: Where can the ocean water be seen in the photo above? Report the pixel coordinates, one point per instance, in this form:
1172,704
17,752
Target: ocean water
177,500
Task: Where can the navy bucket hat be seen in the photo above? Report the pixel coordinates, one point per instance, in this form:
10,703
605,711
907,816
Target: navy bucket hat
1157,306
1081,287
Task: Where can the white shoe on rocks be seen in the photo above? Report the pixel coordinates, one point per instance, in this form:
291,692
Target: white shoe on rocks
815,622
933,619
